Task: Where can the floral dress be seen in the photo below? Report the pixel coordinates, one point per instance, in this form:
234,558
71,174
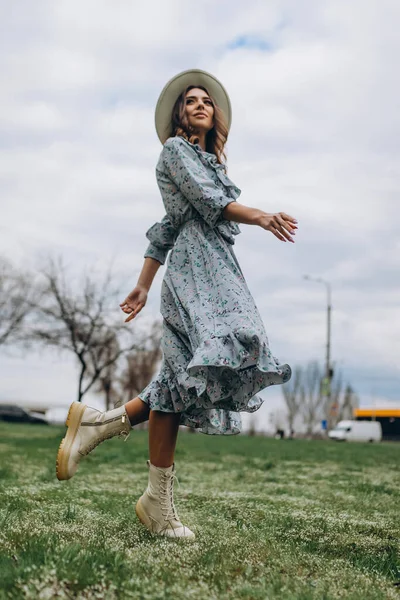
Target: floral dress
216,356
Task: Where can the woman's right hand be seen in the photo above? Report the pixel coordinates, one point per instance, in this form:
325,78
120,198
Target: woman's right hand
283,226
134,302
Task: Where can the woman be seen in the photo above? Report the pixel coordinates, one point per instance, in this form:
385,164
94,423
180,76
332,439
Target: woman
215,349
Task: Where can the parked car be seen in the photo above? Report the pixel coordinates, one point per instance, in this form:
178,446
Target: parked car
16,414
357,431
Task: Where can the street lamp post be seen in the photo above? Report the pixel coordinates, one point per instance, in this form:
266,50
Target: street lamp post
328,370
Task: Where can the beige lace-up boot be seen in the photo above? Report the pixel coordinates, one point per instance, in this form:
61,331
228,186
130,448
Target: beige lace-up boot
87,428
156,508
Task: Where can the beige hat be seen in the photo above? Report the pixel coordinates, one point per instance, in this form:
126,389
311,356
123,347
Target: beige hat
175,87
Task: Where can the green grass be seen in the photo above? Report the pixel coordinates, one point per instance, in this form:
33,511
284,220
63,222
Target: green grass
274,519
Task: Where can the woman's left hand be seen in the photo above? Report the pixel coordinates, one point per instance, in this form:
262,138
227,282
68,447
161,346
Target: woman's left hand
283,226
134,302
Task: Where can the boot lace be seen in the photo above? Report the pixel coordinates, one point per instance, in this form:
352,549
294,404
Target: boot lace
167,496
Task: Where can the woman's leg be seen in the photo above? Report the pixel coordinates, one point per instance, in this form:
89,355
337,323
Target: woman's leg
137,411
163,433
163,430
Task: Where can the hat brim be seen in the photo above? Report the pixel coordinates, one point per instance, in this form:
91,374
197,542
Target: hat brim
175,87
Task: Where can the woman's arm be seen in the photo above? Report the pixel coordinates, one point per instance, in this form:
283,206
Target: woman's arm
137,299
148,272
189,175
162,238
280,224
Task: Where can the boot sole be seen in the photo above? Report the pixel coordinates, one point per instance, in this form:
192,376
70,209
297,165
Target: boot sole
73,421
141,515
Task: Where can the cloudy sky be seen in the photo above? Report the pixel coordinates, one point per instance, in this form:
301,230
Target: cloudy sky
314,87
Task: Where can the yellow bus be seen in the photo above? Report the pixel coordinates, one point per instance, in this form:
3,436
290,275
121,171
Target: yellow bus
389,418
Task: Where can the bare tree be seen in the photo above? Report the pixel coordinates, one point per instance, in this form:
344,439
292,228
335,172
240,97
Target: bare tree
121,385
82,322
16,292
350,401
292,396
277,420
141,364
304,395
105,386
342,402
105,382
252,426
333,406
311,396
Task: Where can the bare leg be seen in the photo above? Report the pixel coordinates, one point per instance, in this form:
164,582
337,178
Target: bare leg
163,433
137,410
163,430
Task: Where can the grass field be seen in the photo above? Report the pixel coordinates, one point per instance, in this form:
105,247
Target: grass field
274,519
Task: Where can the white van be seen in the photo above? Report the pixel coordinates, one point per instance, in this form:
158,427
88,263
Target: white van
357,431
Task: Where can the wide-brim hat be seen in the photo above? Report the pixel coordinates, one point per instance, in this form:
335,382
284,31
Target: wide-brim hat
175,87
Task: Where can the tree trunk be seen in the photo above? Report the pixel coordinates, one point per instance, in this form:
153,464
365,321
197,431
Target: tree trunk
80,392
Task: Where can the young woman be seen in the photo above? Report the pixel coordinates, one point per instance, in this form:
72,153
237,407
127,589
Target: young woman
216,356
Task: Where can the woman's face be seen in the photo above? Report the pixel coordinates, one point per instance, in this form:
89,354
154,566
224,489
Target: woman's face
199,110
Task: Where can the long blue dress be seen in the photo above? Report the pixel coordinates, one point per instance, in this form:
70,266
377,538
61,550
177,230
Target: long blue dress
216,355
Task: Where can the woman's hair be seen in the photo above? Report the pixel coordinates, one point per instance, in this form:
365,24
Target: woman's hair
216,138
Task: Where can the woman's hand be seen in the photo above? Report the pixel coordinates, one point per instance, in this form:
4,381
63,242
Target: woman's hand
283,226
134,302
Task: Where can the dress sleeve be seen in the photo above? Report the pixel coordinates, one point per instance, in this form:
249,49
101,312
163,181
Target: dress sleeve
162,237
190,176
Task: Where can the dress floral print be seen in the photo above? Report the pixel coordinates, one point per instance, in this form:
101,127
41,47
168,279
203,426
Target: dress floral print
216,355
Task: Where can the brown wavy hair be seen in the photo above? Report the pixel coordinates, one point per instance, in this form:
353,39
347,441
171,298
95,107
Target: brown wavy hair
217,136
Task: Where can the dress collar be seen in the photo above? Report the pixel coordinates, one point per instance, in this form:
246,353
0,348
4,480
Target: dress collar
210,160
208,156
